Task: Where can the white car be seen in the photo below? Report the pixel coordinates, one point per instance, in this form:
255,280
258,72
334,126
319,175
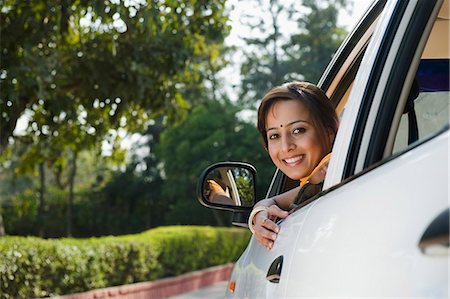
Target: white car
380,226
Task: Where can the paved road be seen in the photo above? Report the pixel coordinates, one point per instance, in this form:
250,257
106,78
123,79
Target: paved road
215,291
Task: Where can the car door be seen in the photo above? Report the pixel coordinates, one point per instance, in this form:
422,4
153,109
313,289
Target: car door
250,274
364,236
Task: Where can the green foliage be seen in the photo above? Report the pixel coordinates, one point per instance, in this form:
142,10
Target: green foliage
20,202
262,68
199,248
191,212
245,191
83,70
95,213
210,134
32,267
274,58
311,49
138,198
80,71
89,66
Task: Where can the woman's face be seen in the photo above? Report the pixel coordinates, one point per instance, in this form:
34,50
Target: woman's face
293,143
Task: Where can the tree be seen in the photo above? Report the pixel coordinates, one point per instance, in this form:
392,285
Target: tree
83,70
211,133
276,57
91,53
309,51
262,67
135,194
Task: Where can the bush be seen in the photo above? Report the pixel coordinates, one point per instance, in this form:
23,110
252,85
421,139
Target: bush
31,267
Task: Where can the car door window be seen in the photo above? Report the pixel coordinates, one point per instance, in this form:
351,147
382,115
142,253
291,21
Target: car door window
407,65
337,80
425,112
428,104
429,110
374,216
424,58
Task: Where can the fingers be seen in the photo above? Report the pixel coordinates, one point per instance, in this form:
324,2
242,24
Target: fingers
266,230
264,236
275,212
214,186
269,225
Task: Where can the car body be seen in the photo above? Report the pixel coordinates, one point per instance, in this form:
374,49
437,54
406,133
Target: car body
379,227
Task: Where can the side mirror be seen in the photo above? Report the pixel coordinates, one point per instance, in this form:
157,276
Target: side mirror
228,186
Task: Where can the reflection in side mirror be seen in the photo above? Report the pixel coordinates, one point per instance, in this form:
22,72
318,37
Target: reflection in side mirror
228,185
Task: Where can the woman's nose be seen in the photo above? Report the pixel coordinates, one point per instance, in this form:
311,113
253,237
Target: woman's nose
287,143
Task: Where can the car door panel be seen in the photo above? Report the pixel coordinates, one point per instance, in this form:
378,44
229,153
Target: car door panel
251,269
361,237
374,223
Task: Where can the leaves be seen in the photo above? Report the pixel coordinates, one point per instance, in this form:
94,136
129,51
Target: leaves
90,54
201,140
82,71
274,58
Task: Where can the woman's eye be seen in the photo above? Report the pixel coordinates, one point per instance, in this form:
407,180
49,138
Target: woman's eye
299,130
273,136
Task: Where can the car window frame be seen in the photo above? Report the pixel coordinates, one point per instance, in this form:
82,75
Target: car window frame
405,65
280,182
430,11
280,179
373,85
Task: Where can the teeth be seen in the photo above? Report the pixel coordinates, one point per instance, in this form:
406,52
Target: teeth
293,160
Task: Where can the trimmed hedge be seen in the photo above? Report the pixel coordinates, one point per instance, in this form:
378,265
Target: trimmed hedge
31,267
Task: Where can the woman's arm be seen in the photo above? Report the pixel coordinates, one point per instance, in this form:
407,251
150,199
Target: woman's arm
283,200
264,214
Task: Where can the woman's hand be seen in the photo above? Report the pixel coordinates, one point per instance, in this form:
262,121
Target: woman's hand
266,230
216,194
216,188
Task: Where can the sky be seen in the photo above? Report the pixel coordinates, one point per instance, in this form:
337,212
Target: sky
347,20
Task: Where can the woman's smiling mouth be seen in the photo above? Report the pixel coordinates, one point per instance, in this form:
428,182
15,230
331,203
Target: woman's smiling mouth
293,160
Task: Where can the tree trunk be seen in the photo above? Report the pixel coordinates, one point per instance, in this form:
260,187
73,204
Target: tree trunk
275,11
41,208
2,227
7,128
70,196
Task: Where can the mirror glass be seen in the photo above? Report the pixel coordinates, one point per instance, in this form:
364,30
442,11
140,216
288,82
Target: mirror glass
233,186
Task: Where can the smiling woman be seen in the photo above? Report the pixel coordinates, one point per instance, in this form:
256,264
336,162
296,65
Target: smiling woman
293,118
293,147
297,123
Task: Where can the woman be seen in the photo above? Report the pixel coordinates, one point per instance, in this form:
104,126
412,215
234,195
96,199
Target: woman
298,125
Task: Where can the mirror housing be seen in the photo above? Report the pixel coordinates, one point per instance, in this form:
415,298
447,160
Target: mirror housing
228,186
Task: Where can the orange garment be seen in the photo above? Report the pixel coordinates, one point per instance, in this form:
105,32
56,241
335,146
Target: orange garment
315,170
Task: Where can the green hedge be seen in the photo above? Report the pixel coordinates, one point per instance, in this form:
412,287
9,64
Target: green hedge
31,267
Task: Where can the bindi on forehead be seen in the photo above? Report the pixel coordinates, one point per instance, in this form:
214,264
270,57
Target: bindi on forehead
285,113
289,124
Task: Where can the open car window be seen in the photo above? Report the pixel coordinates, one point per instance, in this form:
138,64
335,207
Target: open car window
427,71
337,81
414,102
426,110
